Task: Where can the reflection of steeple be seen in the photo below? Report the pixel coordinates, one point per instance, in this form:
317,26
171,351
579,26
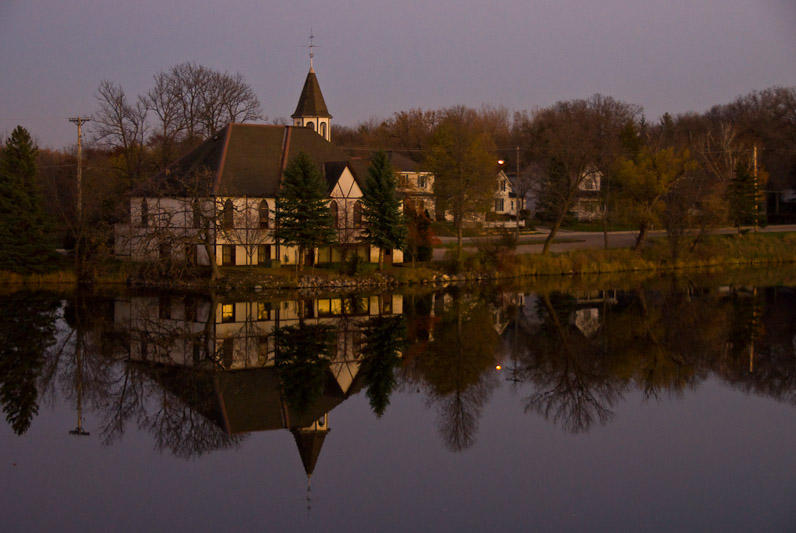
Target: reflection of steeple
309,442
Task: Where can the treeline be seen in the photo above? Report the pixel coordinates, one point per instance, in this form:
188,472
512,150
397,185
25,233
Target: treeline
693,170
686,171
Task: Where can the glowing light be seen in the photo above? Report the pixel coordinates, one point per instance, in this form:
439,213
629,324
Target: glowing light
500,161
498,367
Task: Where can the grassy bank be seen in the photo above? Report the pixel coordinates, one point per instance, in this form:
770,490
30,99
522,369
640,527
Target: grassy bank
489,263
716,250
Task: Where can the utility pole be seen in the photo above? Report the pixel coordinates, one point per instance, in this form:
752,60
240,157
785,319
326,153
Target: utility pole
79,121
519,200
757,200
79,194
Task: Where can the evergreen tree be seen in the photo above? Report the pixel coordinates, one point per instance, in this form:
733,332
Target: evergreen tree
26,333
303,209
302,359
384,339
385,228
741,193
23,228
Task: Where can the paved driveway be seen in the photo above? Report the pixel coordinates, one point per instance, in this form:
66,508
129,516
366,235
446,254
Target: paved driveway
584,240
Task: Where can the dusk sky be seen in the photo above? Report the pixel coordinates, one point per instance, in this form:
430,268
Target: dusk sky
376,57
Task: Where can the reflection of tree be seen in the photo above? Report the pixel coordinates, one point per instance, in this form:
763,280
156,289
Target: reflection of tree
384,339
302,359
26,332
574,387
456,368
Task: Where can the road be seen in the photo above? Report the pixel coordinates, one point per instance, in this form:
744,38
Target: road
584,240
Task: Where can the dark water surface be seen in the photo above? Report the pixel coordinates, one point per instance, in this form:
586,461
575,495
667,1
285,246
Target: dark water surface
663,405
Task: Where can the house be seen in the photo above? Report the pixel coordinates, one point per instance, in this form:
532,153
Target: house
415,186
588,205
506,201
219,202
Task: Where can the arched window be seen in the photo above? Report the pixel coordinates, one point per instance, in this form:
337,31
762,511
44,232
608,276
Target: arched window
263,210
323,129
357,214
227,221
144,213
333,209
311,125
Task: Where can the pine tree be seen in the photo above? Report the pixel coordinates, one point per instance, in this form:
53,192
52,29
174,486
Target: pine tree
384,338
381,208
741,193
303,209
23,228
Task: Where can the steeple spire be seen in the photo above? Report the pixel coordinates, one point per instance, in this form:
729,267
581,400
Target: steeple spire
310,47
311,111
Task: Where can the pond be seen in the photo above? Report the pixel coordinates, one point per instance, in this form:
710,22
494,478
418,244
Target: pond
609,404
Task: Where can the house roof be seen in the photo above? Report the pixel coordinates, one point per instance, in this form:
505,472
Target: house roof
246,160
311,103
399,162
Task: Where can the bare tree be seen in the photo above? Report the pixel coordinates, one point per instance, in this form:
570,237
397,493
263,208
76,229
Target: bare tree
120,125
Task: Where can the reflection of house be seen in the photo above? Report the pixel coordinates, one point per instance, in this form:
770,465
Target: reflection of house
222,196
227,351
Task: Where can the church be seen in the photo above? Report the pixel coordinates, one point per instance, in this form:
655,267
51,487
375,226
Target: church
219,202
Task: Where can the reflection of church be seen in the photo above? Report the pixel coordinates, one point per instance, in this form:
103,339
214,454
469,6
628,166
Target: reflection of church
219,357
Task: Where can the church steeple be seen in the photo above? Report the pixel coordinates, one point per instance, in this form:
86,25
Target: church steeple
311,111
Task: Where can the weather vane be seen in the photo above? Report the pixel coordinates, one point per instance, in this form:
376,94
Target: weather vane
311,46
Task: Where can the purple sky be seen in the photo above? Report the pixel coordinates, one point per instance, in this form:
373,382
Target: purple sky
377,57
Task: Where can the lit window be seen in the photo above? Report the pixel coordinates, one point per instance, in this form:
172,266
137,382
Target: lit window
263,311
228,312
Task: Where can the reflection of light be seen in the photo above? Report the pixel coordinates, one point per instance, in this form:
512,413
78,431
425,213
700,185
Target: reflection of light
498,367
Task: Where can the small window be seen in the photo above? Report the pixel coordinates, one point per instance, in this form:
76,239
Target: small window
333,209
264,254
263,311
311,125
357,215
323,129
503,185
228,219
228,312
144,213
421,182
228,254
263,211
498,204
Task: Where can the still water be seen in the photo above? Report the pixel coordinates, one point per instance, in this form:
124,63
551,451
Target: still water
658,404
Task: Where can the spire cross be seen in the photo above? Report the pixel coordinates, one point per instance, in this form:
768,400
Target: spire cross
311,46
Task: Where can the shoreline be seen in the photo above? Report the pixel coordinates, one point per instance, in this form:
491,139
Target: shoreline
717,252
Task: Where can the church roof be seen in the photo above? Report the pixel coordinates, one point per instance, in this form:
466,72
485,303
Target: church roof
244,160
311,102
309,444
